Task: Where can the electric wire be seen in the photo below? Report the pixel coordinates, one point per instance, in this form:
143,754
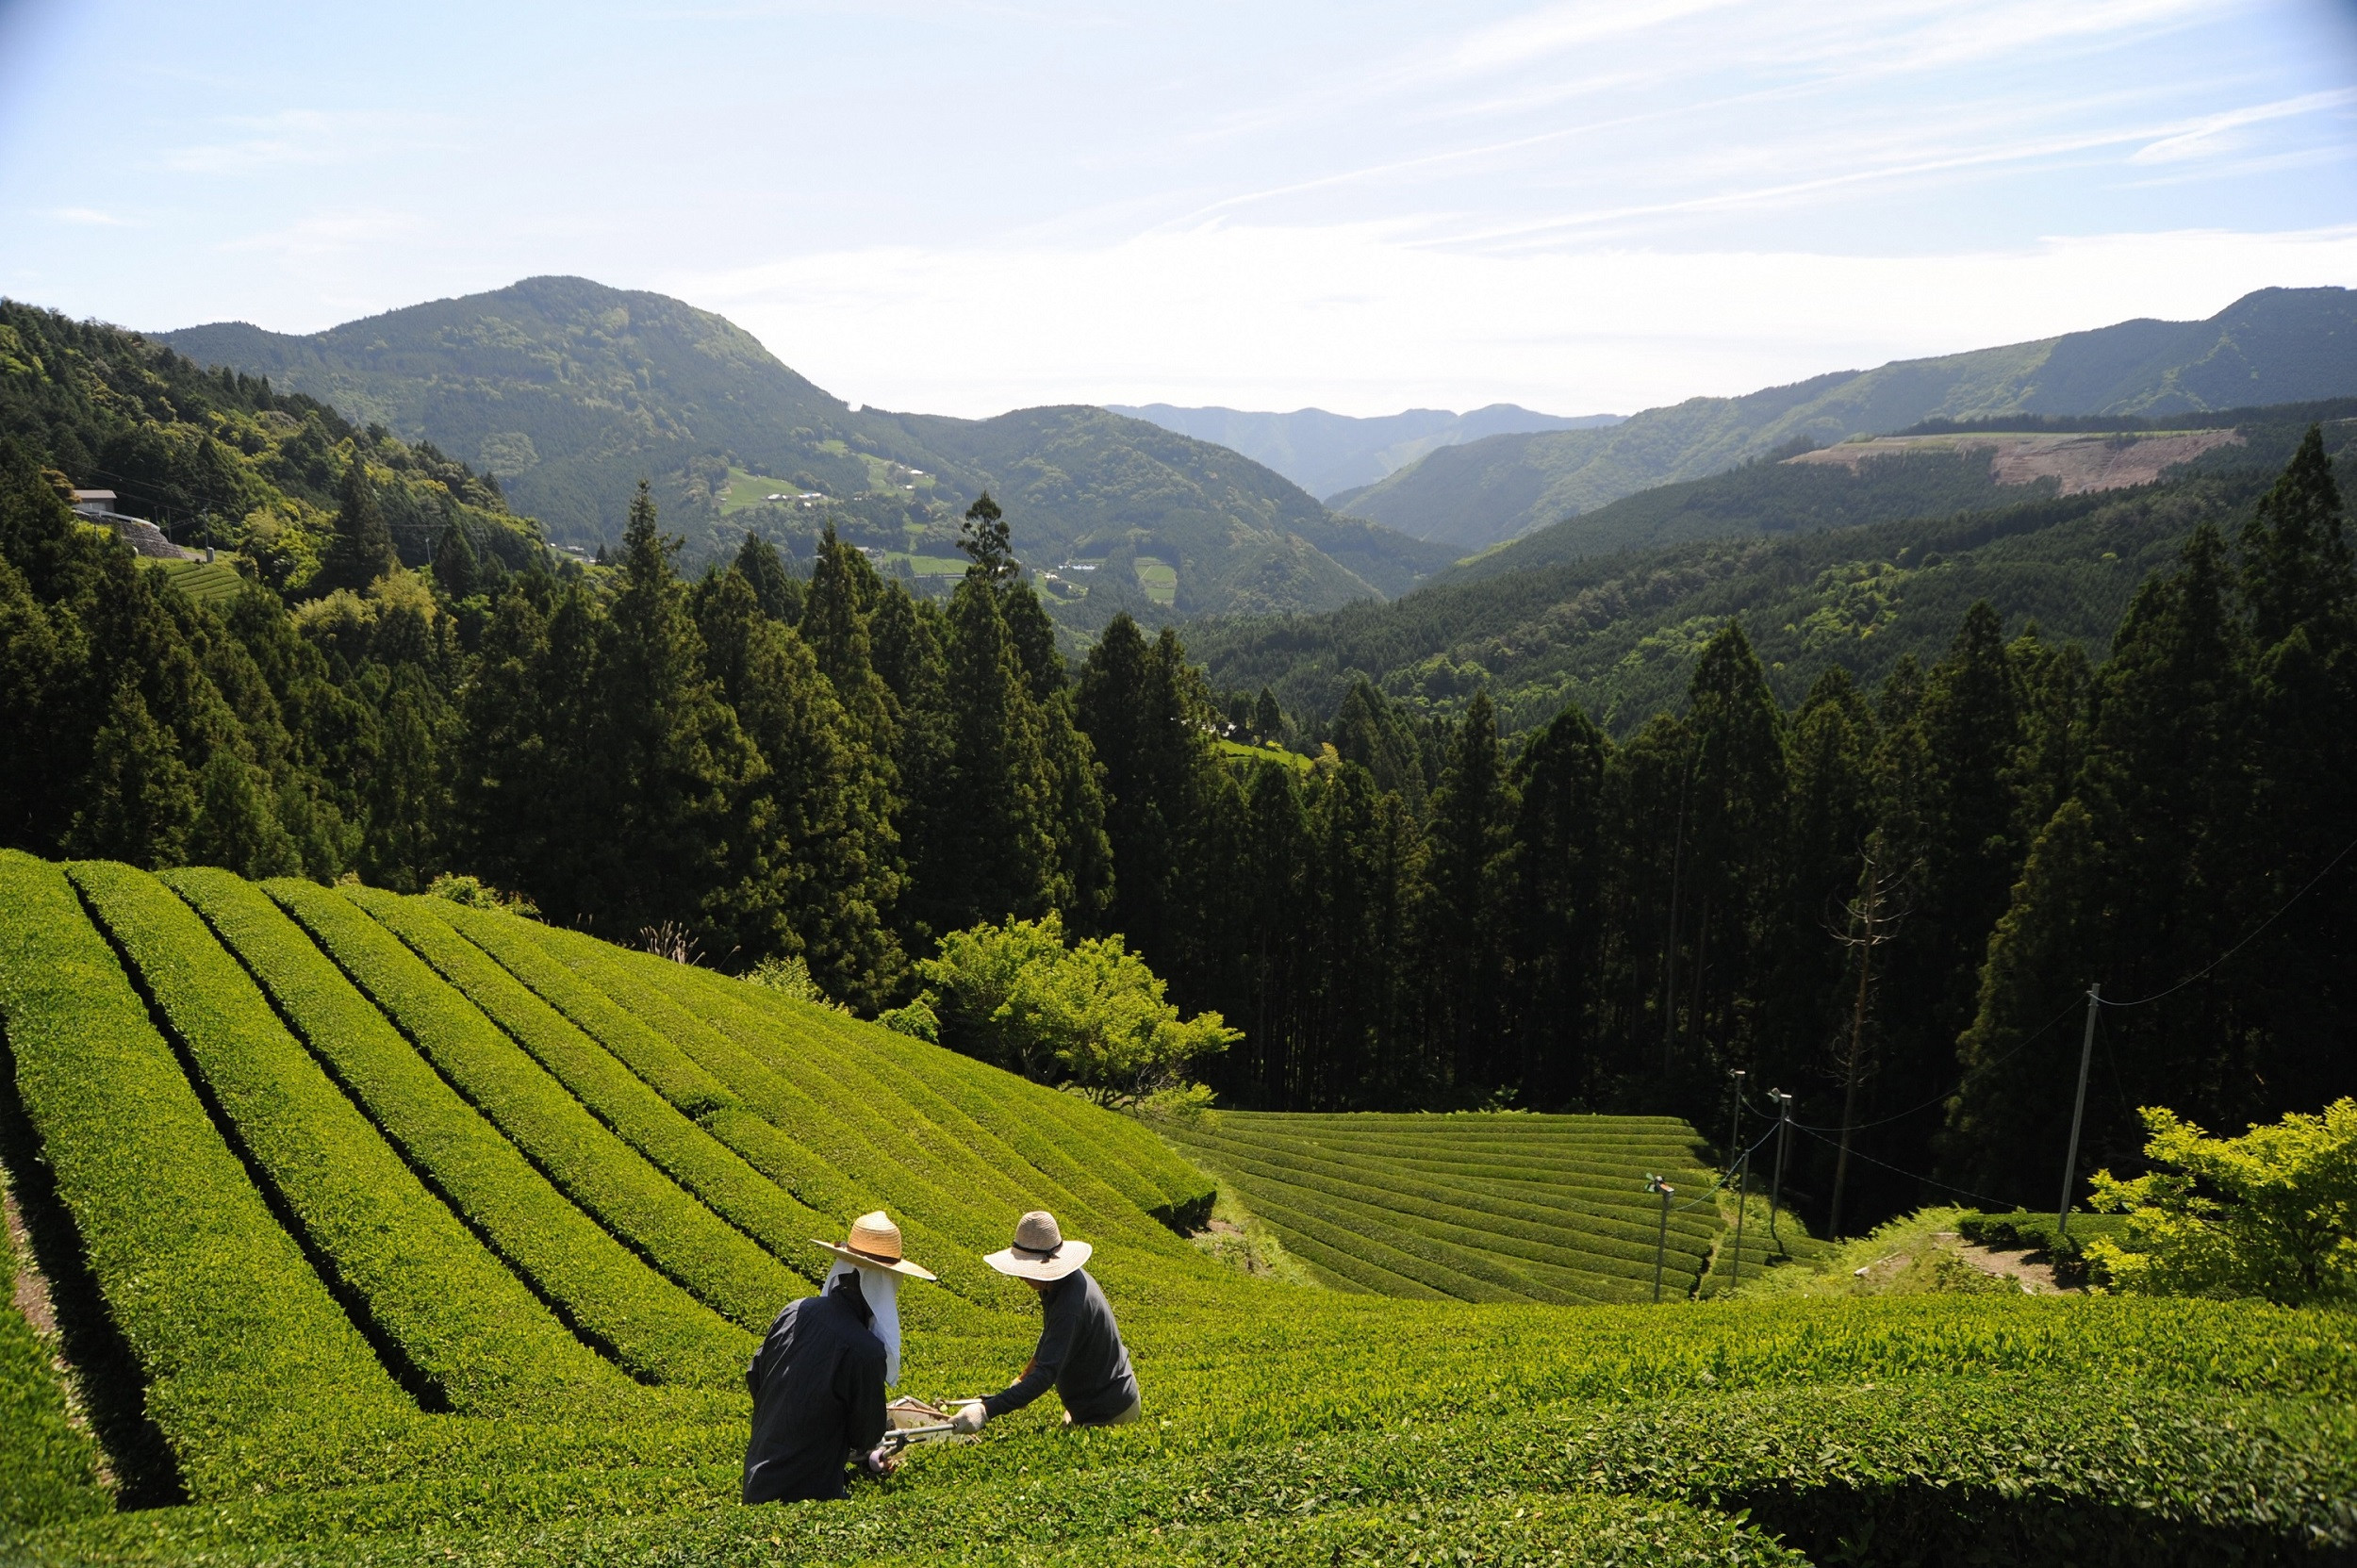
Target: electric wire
2026,1042
2247,940
1917,1175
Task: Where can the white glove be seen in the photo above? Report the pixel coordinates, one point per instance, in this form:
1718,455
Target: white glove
969,1418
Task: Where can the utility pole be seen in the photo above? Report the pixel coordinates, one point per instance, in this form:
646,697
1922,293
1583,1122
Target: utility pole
2078,1110
1735,1128
1784,1136
1866,933
1742,1158
1661,1243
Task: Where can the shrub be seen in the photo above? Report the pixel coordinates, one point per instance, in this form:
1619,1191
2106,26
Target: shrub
1092,1014
788,977
2270,1214
474,894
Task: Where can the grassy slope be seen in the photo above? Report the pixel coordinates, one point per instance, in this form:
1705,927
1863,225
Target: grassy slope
1286,1424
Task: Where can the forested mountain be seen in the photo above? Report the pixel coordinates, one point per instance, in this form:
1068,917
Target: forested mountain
1325,453
1543,621
2275,346
571,392
213,454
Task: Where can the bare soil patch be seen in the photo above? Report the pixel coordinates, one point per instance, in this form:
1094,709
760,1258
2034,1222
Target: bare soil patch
2081,463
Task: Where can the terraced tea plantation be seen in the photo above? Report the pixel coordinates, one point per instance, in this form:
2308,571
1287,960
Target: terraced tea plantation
355,1228
1477,1207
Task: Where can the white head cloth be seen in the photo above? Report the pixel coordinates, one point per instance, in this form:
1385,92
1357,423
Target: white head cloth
881,1288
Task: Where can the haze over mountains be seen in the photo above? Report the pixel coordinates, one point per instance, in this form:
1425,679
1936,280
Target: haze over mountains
2274,346
1326,453
570,392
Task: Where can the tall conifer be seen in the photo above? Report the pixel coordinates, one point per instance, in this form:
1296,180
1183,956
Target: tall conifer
361,549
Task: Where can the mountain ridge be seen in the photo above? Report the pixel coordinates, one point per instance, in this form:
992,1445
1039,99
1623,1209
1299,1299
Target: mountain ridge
571,391
1824,565
2271,346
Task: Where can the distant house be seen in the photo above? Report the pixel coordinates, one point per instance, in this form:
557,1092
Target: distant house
144,536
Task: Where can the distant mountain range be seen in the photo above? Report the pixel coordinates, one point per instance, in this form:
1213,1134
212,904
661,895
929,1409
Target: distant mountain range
1326,453
2275,346
1824,564
571,392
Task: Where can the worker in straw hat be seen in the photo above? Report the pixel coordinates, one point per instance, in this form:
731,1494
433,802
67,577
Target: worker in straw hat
1079,1353
819,1378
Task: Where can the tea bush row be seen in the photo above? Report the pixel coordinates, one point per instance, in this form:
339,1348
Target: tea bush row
2021,1471
717,1175
1113,1167
952,1204
1610,1190
254,1374
600,1288
1469,1272
1573,1229
1402,1220
48,1467
636,1204
2037,1231
458,1316
1630,1214
924,1130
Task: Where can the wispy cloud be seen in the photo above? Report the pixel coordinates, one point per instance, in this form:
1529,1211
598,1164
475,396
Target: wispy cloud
329,234
2213,134
306,138
89,217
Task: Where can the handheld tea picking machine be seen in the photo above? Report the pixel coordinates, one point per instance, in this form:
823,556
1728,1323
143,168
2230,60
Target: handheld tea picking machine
915,1423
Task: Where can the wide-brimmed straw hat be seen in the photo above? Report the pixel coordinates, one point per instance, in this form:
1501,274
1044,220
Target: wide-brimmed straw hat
875,1243
1040,1251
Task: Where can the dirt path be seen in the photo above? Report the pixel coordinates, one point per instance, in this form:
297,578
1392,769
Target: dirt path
33,1299
2033,1278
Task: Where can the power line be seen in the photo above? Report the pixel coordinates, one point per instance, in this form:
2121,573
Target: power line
1917,1176
2247,940
2027,1041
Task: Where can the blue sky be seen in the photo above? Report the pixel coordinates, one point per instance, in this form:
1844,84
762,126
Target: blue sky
962,208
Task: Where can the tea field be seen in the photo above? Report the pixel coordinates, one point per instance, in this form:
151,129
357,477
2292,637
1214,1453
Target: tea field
355,1228
1476,1206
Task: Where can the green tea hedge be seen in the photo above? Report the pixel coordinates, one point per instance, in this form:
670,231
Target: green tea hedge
253,1374
686,1152
636,1202
600,1290
453,1312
